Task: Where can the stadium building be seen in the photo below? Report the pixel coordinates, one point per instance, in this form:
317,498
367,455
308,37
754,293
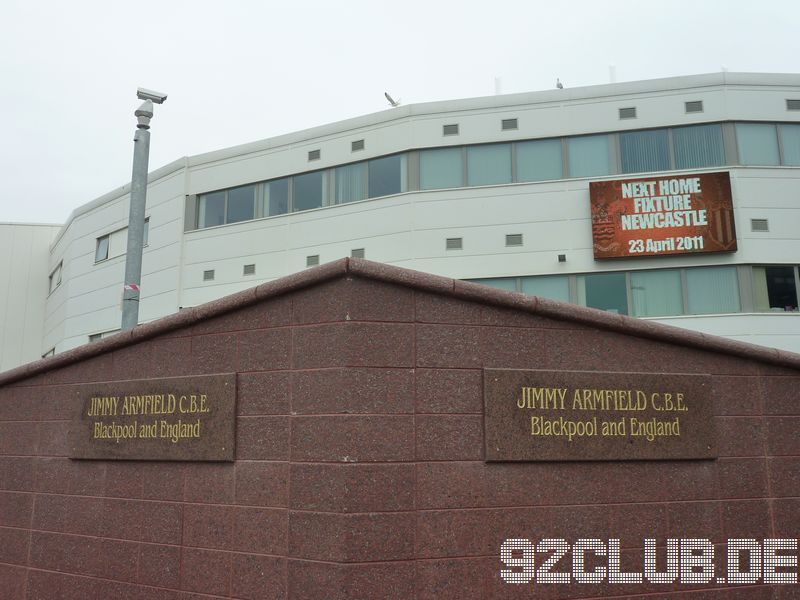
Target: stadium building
676,200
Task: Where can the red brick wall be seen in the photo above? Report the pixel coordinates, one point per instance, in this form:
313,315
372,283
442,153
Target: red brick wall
359,470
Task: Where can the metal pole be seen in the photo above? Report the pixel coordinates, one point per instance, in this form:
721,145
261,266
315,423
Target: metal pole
133,259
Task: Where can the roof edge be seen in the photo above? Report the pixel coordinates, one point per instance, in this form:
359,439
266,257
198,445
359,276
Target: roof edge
463,290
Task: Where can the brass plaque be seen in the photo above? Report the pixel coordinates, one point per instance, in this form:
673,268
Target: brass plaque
587,415
175,418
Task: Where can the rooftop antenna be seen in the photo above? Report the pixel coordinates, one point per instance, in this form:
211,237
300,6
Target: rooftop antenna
559,85
391,100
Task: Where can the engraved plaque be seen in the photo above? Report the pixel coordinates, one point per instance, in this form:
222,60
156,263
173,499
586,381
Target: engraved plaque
588,415
174,418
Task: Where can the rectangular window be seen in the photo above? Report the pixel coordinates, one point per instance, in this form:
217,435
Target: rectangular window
211,210
276,197
441,168
555,287
698,146
508,124
307,191
605,291
55,278
249,269
351,183
790,141
539,160
588,155
514,239
356,145
642,151
358,253
314,155
501,283
712,290
312,260
656,293
387,175
241,204
489,164
208,275
627,113
450,129
101,249
758,144
774,289
454,243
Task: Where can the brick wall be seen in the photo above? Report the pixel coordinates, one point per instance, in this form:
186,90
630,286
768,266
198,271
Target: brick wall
359,470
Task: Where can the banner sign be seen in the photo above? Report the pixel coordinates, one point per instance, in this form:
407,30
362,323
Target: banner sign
658,216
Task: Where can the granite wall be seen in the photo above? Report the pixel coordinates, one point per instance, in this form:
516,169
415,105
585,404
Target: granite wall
359,468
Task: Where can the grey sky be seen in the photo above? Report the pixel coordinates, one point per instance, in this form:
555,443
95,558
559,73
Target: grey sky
241,70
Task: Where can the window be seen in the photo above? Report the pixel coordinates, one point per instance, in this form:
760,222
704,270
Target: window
627,113
539,160
314,155
588,155
241,204
276,197
656,293
387,175
116,243
208,275
103,334
555,287
441,168
501,283
351,183
101,248
758,144
712,290
606,291
790,142
307,191
146,233
774,289
454,243
356,145
698,146
358,253
450,129
792,104
507,124
312,260
55,278
211,209
249,269
489,164
759,224
642,151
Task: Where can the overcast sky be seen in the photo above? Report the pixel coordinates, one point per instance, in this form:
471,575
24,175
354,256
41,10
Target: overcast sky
240,70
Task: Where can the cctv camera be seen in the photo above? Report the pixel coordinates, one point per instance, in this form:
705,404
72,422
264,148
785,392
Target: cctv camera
156,97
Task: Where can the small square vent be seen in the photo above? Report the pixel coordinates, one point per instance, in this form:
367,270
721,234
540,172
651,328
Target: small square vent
694,106
208,275
792,104
454,243
357,253
312,260
313,155
450,129
249,270
507,124
759,225
627,113
357,145
514,239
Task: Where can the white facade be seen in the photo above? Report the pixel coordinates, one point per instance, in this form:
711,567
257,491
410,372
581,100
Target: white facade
409,228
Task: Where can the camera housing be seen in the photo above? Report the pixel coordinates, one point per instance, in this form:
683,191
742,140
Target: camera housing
145,94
